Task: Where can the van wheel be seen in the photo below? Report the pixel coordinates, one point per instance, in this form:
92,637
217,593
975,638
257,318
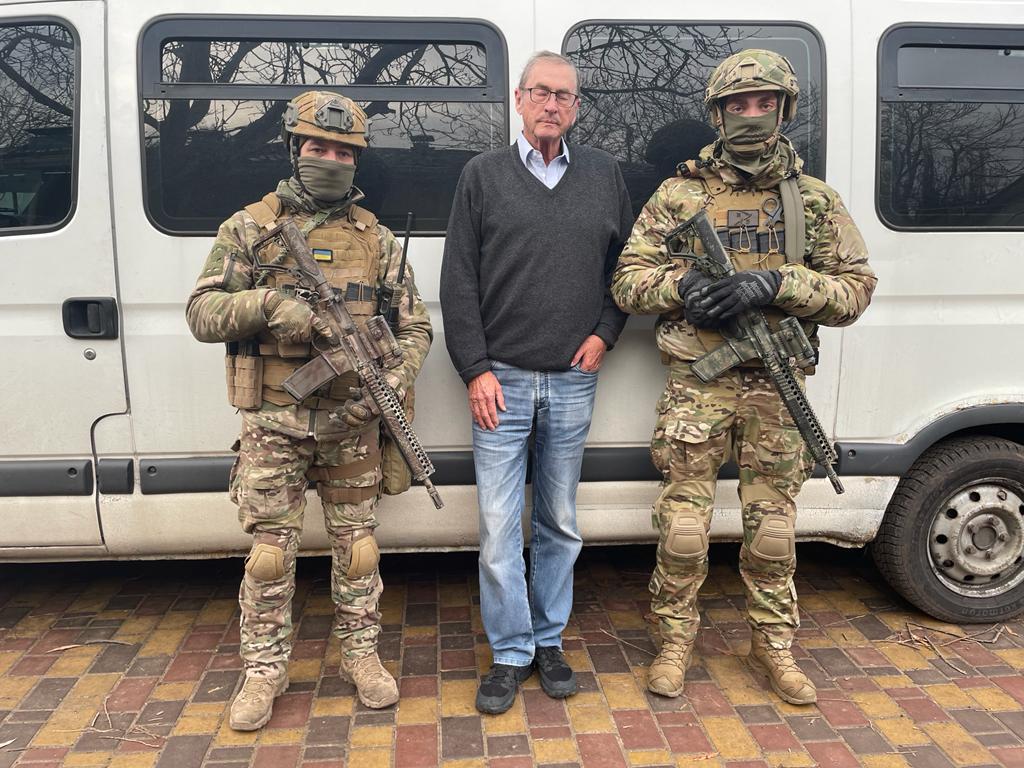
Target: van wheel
952,540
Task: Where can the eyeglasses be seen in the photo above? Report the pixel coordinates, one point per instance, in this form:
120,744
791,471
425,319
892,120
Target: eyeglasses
540,95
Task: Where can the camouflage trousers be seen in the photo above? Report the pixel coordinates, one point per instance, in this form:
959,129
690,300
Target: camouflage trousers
700,426
269,484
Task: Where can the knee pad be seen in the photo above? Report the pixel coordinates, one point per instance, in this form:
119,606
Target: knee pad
265,562
363,556
774,540
687,538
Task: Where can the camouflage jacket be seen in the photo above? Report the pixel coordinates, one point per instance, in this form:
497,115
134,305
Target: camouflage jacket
226,306
832,287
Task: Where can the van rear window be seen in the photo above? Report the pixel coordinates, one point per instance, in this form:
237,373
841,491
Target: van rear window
214,91
38,74
951,128
642,91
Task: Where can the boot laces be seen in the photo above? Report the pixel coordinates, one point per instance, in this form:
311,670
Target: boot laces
783,659
673,653
254,689
371,667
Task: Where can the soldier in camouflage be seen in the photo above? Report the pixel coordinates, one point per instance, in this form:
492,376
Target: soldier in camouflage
332,437
803,258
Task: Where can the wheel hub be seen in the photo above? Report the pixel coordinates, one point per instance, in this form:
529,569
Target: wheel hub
978,536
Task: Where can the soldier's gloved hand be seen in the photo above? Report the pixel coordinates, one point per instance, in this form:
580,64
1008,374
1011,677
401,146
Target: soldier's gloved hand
292,321
356,412
689,288
741,291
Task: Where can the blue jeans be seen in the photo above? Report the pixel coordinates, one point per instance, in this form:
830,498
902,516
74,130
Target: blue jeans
560,405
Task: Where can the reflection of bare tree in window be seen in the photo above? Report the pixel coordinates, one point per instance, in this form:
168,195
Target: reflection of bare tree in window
946,159
37,82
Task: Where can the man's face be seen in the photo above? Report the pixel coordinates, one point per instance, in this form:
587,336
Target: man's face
325,149
754,104
548,121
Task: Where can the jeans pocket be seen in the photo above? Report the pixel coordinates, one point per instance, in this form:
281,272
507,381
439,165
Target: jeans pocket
578,368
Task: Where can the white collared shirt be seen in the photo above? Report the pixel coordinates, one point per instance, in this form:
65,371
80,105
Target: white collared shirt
548,173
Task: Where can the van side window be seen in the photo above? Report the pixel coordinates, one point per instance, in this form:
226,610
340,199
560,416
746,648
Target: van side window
214,90
642,91
38,86
951,128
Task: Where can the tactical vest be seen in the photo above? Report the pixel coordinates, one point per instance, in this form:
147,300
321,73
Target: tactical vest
751,225
347,249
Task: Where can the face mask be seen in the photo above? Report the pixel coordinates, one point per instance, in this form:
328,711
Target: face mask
748,136
326,180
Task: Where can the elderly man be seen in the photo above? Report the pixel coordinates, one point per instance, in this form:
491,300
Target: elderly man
331,436
534,234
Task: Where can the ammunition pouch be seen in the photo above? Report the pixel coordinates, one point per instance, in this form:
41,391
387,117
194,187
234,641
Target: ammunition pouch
244,373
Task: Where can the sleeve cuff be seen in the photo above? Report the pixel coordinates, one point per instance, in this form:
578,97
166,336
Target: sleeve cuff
470,373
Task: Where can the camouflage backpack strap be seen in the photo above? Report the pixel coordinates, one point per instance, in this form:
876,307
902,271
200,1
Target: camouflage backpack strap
266,211
793,220
362,218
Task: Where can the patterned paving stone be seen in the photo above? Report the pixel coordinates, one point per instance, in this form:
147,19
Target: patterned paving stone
156,665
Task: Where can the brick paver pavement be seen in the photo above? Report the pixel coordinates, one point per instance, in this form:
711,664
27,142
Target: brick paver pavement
133,665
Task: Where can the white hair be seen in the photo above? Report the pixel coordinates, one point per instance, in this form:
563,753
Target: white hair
549,56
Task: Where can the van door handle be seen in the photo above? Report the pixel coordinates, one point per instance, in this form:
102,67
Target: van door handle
90,318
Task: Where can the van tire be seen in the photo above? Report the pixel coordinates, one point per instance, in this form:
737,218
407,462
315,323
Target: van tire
972,489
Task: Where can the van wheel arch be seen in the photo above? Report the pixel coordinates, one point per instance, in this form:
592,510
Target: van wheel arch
952,539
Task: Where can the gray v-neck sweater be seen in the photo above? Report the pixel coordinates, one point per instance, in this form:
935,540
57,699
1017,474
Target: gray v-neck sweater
526,269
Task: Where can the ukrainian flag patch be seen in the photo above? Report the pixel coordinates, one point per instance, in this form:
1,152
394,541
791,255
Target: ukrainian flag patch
323,254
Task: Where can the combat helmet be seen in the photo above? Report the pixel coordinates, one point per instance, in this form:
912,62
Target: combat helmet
753,69
323,115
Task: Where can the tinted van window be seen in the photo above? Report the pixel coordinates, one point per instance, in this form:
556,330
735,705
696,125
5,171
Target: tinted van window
37,101
213,98
642,91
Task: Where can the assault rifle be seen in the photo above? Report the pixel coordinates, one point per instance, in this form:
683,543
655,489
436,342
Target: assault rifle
349,349
749,336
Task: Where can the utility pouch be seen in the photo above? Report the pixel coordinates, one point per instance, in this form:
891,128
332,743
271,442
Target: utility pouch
397,475
244,377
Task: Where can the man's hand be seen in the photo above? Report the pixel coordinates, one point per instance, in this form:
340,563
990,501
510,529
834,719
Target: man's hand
357,412
485,398
741,291
690,287
292,321
590,354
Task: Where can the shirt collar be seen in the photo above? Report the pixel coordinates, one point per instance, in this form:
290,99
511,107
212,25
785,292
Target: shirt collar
525,148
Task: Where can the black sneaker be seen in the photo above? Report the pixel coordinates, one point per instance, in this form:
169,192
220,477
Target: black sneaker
556,676
497,689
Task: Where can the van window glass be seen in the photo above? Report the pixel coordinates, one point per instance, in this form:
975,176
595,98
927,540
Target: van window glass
951,130
212,104
37,102
642,91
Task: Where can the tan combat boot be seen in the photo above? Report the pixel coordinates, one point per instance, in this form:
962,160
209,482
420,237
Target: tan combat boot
254,703
375,685
667,672
785,677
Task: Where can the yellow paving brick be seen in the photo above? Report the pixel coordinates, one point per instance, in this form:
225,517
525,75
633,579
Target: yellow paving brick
845,603
458,697
162,642
282,736
73,665
172,691
957,743
507,722
196,724
392,615
218,612
626,620
876,704
418,710
371,736
8,659
814,602
341,706
14,689
993,699
228,737
453,594
1012,656
790,759
584,699
216,708
901,731
902,657
883,761
304,670
137,625
177,620
735,682
846,637
719,615
554,751
649,757
468,762
894,681
90,759
591,719
134,760
708,760
369,758
63,728
621,691
92,688
577,660
420,631
32,626
949,696
731,738
817,642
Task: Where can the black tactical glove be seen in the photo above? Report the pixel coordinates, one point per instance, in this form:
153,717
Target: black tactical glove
690,287
741,291
292,321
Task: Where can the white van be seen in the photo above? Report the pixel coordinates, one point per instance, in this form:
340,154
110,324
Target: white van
127,134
